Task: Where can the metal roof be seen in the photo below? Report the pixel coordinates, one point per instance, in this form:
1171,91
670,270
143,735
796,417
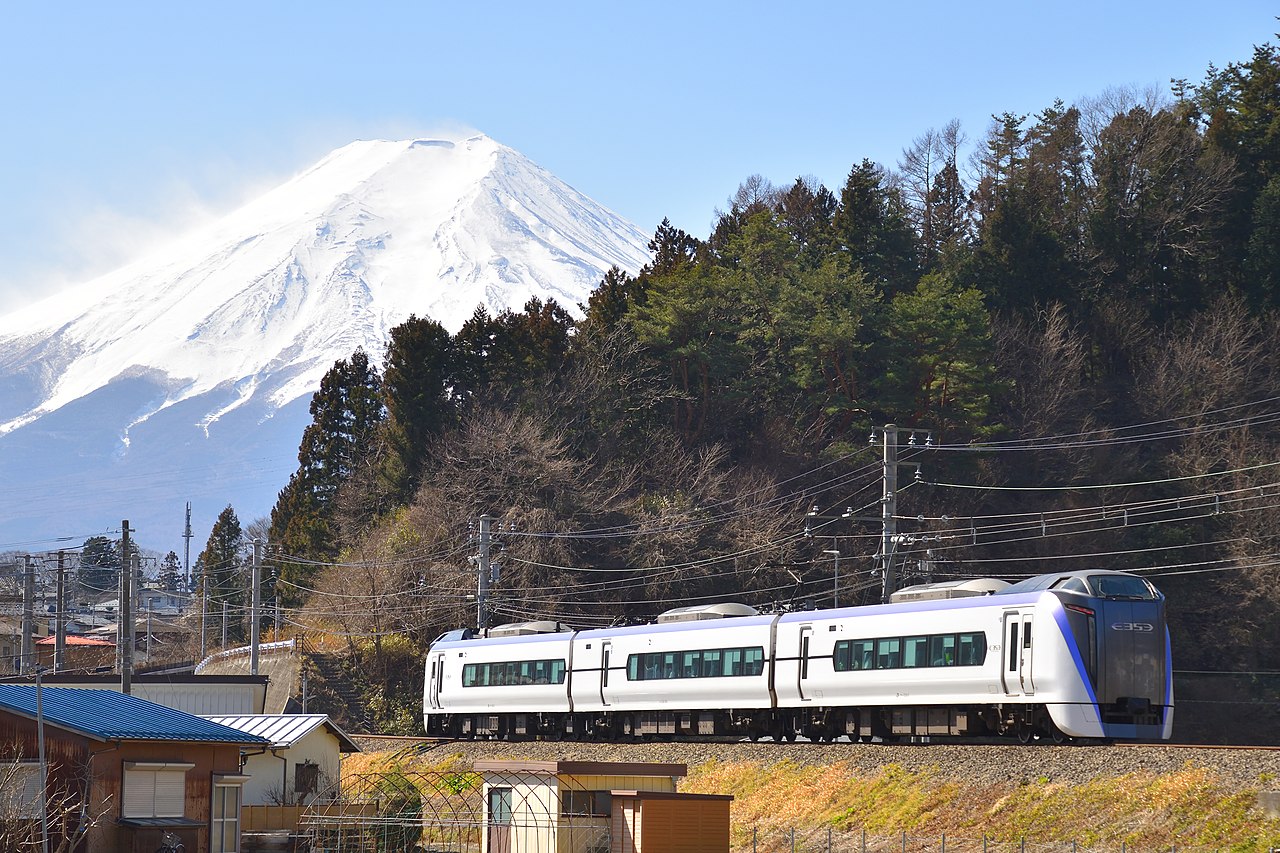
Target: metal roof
108,715
284,730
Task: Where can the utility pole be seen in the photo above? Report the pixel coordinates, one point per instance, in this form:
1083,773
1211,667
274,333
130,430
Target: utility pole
255,609
60,617
889,509
186,563
126,632
889,501
224,625
482,586
835,585
28,615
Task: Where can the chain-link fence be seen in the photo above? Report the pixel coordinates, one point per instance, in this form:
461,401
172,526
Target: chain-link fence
459,812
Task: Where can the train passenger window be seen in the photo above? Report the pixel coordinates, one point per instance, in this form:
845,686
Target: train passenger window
841,655
669,665
864,654
633,667
973,649
915,651
754,660
557,672
889,653
733,661
942,650
711,663
690,664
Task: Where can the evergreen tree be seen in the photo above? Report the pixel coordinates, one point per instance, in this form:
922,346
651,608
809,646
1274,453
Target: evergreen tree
222,571
100,564
170,575
873,228
421,366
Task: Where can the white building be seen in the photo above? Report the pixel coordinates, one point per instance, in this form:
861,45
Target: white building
301,766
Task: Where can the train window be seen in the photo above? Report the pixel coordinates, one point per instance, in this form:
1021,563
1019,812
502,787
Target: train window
1026,635
942,650
513,672
1121,586
915,651
889,653
1013,647
864,654
695,663
711,663
1072,585
733,661
973,649
841,655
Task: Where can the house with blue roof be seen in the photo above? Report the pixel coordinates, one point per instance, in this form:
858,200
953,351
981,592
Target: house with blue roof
123,774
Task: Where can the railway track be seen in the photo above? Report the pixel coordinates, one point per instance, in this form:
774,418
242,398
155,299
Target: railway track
802,744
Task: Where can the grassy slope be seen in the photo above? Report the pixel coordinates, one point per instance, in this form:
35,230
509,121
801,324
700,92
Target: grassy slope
1189,808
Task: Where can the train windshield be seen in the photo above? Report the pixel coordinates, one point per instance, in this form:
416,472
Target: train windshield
1123,587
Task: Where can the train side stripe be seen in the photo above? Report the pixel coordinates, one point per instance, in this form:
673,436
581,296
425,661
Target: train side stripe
1060,616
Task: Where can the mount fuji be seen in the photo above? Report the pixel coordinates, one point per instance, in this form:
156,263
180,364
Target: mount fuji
187,375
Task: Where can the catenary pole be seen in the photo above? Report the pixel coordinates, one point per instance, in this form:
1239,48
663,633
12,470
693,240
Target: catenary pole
255,609
889,510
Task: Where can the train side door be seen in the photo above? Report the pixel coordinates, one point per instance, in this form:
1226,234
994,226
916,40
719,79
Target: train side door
434,678
802,667
1012,654
1024,667
1016,672
605,648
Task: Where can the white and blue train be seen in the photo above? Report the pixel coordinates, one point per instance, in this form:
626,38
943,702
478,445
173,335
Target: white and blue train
1080,654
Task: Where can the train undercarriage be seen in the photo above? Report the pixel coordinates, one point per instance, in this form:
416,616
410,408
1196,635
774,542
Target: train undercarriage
1021,722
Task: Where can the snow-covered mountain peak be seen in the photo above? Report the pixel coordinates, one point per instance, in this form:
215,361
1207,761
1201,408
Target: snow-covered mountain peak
250,310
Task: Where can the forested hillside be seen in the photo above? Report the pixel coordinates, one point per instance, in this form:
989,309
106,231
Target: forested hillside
1083,316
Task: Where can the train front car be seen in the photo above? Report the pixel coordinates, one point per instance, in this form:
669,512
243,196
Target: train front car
1109,668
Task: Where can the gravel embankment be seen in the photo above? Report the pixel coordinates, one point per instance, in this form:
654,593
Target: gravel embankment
979,764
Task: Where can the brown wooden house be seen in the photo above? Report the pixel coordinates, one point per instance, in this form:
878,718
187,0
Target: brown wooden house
122,772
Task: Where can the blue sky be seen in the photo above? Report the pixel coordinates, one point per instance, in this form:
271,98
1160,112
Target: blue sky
127,120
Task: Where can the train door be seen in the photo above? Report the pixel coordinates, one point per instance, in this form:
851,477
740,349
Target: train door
1024,667
605,648
1012,654
434,677
1016,672
802,668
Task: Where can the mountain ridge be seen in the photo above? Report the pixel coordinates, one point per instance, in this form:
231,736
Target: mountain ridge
251,310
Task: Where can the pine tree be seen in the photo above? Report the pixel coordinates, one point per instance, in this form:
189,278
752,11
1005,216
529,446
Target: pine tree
223,573
170,576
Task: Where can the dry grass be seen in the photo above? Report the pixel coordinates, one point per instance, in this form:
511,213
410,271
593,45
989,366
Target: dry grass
1190,808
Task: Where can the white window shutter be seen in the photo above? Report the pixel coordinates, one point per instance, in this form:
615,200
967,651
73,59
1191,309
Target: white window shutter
171,793
31,791
139,795
154,793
